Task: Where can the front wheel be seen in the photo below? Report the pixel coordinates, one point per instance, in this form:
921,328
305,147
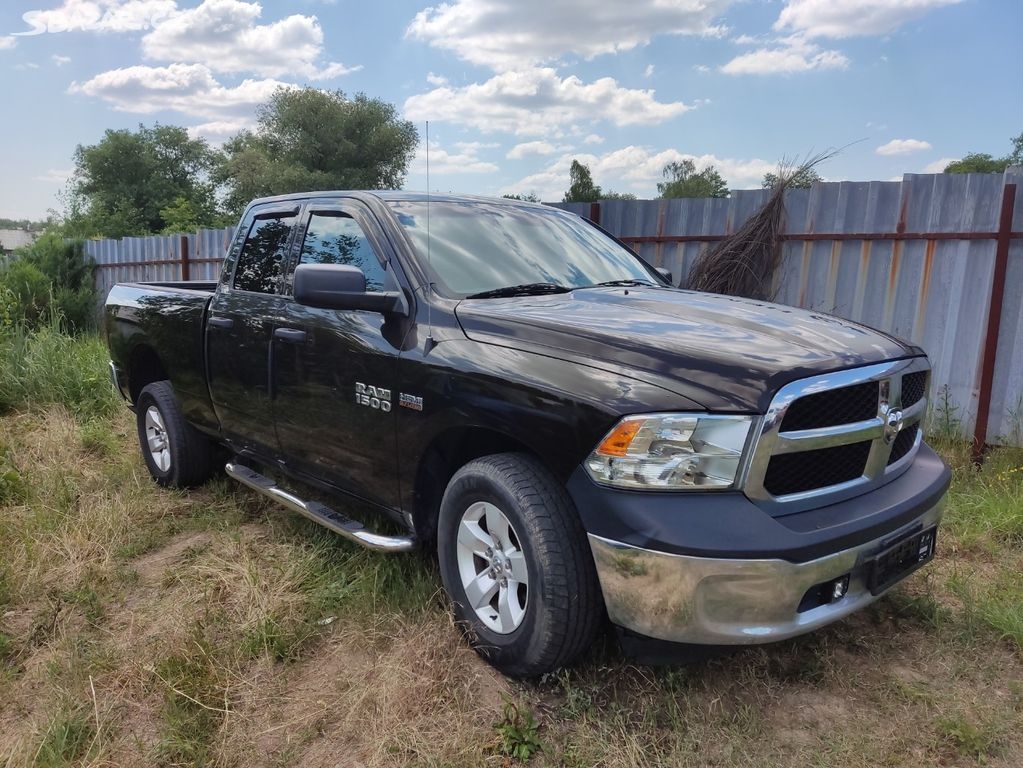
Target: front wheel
176,453
517,566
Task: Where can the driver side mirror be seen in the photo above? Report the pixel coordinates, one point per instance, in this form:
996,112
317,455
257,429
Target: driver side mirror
340,286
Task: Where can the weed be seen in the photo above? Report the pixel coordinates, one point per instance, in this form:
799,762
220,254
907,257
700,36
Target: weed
47,367
6,647
518,733
67,737
97,438
12,487
945,425
968,738
195,701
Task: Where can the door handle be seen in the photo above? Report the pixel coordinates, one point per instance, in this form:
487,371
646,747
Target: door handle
220,322
290,335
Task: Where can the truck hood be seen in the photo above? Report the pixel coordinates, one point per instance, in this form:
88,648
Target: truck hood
723,352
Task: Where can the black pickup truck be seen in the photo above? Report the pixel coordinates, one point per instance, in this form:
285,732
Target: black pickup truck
577,438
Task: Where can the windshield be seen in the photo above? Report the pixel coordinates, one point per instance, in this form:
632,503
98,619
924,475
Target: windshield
478,247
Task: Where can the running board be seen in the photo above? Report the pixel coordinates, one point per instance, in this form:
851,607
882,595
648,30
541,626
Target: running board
320,513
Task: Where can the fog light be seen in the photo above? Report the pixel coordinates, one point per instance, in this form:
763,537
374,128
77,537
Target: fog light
839,587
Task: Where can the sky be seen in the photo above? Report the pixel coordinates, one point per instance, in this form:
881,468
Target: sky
515,89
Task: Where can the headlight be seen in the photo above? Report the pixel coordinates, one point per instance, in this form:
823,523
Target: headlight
671,452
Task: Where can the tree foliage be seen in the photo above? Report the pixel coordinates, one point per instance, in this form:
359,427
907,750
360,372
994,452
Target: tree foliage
581,188
683,180
984,162
310,139
529,197
803,178
52,278
123,184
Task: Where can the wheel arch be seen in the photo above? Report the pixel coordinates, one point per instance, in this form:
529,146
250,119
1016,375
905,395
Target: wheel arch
144,367
444,455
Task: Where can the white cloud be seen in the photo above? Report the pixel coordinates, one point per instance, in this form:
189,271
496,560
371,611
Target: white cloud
433,79
443,163
792,55
649,71
701,68
902,147
848,18
593,138
54,176
7,42
507,34
224,36
637,170
218,131
98,16
187,88
745,40
527,148
539,102
59,60
938,166
26,66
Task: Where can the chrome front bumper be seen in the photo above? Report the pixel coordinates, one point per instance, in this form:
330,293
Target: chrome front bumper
712,601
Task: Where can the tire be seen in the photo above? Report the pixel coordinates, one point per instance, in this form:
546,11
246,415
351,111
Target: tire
533,604
176,453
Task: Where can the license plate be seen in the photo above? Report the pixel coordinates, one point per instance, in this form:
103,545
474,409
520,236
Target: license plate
901,559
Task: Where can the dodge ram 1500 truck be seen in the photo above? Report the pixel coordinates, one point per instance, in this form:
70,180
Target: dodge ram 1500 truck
577,438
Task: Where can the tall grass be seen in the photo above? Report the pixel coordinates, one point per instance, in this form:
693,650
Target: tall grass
44,366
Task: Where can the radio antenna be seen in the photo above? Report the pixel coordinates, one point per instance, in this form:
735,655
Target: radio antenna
430,342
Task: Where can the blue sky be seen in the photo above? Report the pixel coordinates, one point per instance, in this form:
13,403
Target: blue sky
514,89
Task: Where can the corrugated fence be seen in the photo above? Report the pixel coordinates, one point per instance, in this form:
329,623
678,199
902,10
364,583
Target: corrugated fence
936,259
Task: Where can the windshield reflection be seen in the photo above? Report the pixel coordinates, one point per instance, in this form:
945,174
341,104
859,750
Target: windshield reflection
478,246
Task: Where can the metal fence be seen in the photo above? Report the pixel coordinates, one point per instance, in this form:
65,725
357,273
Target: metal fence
936,259
195,256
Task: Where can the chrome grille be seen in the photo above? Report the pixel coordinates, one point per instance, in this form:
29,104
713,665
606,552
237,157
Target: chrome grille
837,435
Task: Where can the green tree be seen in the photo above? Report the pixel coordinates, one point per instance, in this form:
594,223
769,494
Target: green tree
50,278
683,180
984,162
804,178
307,139
124,183
612,195
581,187
529,197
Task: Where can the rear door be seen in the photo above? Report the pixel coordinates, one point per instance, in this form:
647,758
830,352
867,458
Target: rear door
335,397
246,308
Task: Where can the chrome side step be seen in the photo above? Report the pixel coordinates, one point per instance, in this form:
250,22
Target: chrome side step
320,513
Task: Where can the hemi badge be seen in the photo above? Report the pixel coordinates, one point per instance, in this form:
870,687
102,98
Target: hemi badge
410,401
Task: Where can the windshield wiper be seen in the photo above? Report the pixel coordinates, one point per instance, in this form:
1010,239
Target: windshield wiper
526,289
629,282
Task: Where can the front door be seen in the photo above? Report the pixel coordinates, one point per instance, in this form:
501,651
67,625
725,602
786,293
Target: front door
334,399
239,327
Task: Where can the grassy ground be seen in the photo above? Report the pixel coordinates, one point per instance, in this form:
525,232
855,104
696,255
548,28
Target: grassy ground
145,627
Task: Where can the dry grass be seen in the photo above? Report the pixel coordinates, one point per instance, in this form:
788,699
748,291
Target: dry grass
145,627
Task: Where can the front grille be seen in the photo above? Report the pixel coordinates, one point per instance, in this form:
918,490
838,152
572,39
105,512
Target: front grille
831,407
903,443
914,387
808,470
850,414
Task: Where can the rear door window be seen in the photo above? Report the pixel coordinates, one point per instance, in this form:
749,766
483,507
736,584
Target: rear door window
261,261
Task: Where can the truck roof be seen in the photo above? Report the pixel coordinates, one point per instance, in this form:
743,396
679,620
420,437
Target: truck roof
392,195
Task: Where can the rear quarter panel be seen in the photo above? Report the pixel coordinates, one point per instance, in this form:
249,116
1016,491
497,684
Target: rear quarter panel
169,320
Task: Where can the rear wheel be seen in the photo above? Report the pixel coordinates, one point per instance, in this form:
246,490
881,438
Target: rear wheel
176,453
517,566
